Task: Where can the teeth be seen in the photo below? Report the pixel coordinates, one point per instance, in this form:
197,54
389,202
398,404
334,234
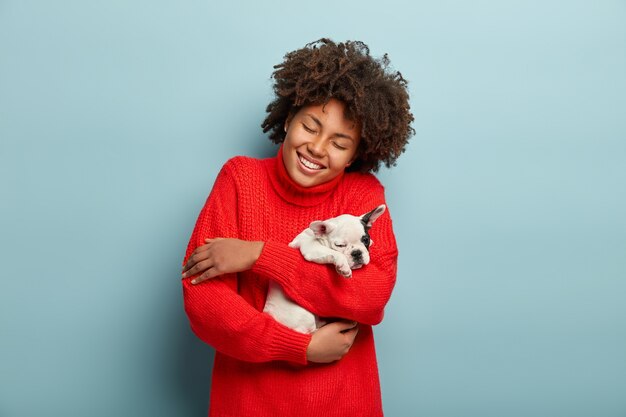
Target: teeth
310,164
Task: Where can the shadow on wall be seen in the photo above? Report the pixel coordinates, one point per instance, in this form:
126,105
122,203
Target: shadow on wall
195,366
185,360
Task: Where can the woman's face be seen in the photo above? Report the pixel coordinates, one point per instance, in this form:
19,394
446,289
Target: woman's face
320,143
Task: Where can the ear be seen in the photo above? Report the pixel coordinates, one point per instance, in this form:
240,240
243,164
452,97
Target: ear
289,118
321,228
369,218
356,155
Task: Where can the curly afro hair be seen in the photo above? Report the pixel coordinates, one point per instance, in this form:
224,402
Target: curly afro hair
374,96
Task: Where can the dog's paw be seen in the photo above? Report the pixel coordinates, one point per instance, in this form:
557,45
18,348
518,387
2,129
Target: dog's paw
344,269
341,265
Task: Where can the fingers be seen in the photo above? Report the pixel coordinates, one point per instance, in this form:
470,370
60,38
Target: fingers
197,268
207,261
349,330
344,325
199,254
210,273
209,240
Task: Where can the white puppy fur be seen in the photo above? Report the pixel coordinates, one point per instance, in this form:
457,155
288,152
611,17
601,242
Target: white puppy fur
343,241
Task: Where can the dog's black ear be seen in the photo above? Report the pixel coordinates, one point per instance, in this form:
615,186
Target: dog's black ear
369,218
321,228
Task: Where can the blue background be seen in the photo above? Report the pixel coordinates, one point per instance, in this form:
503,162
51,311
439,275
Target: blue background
509,203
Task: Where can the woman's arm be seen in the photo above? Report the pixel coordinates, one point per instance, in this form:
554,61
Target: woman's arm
321,290
223,319
218,315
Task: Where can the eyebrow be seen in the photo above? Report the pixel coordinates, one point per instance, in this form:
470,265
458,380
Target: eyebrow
317,121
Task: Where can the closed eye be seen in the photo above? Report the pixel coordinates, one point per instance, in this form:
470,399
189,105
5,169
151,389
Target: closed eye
338,146
339,245
308,129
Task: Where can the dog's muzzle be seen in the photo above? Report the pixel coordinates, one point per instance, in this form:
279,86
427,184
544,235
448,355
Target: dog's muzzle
357,258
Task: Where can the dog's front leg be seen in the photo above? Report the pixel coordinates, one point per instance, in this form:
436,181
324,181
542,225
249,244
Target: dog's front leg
341,264
317,253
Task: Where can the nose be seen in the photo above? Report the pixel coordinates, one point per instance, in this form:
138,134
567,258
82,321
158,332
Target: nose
316,147
357,256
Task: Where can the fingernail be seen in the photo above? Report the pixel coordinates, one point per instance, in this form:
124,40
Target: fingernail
184,274
194,281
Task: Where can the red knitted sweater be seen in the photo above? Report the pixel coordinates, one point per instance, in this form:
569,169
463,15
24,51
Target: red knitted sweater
260,365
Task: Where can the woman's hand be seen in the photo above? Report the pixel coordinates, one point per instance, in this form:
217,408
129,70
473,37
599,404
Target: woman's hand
221,256
332,341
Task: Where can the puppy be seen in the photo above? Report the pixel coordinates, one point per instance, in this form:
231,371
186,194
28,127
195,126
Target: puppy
343,241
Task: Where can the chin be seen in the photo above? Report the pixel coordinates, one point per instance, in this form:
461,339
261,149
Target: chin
307,182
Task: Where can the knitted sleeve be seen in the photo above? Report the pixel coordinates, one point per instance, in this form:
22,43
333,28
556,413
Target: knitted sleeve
218,315
320,289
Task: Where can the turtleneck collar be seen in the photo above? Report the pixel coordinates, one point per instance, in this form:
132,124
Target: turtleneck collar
293,192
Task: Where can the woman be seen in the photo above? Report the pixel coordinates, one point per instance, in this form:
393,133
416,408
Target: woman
339,114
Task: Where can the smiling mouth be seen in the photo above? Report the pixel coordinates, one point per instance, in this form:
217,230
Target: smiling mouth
309,164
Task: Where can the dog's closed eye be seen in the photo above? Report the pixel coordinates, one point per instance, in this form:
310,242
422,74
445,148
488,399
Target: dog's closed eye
340,245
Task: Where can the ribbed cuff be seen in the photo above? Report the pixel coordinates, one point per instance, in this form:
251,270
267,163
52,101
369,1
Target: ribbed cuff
276,261
289,345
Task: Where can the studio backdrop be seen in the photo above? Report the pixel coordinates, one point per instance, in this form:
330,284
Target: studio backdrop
508,204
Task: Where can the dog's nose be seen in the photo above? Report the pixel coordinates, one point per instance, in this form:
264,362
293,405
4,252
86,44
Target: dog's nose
357,255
